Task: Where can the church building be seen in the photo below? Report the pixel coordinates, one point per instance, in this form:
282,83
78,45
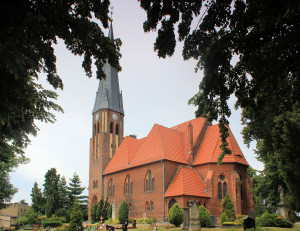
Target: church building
169,165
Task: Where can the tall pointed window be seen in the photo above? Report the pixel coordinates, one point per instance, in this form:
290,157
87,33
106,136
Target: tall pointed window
98,127
128,185
111,128
149,182
222,187
117,129
111,188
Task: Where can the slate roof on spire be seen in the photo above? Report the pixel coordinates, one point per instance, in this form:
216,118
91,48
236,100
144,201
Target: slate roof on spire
108,94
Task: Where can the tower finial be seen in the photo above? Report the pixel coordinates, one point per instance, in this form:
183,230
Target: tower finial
111,13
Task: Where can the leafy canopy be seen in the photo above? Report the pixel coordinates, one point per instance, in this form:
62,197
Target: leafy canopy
28,31
249,49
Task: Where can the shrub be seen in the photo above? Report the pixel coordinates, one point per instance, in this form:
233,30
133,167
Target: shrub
52,223
23,221
112,221
240,219
109,212
272,220
175,215
123,212
228,208
76,217
204,217
99,210
224,218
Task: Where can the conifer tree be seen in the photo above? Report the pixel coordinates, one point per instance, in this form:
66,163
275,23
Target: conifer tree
228,208
51,192
63,193
75,190
38,201
123,212
175,215
76,216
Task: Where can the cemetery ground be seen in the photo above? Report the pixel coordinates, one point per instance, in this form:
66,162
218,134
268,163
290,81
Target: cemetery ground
146,227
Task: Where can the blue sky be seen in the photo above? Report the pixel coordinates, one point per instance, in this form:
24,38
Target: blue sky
154,91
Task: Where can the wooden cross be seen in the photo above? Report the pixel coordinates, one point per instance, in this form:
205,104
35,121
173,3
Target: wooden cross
101,218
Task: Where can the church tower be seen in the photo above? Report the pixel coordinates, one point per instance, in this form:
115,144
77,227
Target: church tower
108,125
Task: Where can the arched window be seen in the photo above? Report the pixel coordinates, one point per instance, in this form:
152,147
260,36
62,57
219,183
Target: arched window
149,182
172,202
111,128
128,185
94,129
204,204
111,188
98,127
96,184
222,187
146,206
117,129
151,206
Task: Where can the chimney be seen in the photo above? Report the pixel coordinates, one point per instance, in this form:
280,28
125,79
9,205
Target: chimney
132,136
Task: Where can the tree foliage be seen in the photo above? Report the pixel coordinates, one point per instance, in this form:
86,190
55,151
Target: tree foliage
249,49
37,199
175,215
76,217
7,190
123,212
51,192
99,210
228,208
204,217
28,30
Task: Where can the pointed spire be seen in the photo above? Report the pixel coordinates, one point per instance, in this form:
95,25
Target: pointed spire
108,94
110,32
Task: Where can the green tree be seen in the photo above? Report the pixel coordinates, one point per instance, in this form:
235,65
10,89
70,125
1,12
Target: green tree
51,192
7,190
228,208
76,217
63,193
204,217
29,29
75,190
123,212
100,209
249,49
109,212
38,201
175,215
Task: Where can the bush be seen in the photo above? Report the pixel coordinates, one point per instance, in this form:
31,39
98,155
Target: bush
76,217
240,219
52,223
123,212
23,221
204,217
109,212
272,220
112,221
228,208
175,215
224,218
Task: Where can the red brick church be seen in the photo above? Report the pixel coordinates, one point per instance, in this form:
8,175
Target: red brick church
169,165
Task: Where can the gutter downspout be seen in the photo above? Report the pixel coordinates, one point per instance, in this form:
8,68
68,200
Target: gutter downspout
163,181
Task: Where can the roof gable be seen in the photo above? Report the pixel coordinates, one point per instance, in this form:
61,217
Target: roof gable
186,182
210,148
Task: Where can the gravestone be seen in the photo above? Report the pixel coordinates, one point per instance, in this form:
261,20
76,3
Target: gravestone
185,219
194,221
114,213
213,221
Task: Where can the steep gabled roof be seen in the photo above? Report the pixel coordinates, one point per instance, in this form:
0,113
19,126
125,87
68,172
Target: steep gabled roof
210,148
187,182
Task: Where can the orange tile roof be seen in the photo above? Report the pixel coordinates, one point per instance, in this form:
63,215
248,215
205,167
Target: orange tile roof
210,148
172,144
187,182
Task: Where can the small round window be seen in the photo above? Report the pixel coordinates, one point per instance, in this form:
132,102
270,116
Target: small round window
222,177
